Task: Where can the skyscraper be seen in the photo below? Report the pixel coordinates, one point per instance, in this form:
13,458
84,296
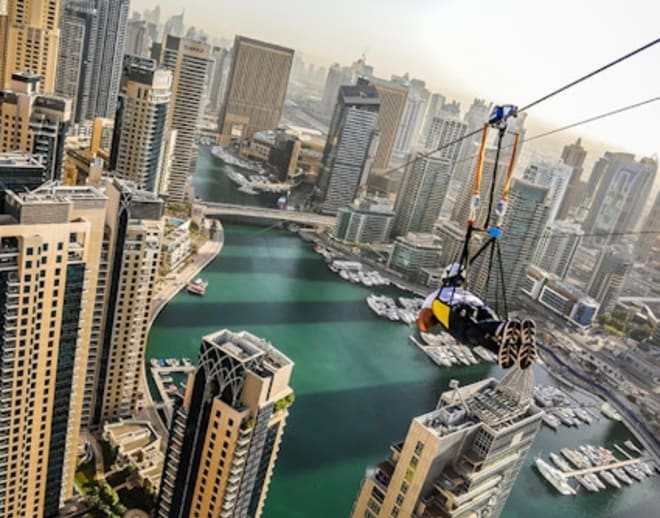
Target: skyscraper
622,186
141,124
133,244
421,194
557,247
138,41
445,128
573,155
365,221
189,61
350,147
258,78
555,176
218,78
174,25
34,122
412,118
523,225
435,104
226,434
459,460
609,274
108,56
337,76
31,40
78,33
648,243
51,241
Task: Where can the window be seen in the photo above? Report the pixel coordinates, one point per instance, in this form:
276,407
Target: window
419,447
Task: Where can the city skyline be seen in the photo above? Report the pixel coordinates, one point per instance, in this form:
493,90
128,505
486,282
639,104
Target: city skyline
465,67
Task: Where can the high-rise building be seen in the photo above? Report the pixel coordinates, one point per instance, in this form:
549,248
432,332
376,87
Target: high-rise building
102,135
415,254
392,103
19,171
557,247
367,220
218,78
141,130
444,128
435,104
108,56
30,40
350,147
412,117
75,59
51,240
523,225
133,237
554,175
622,186
337,76
226,434
174,25
34,122
648,243
459,460
421,194
609,274
573,155
258,78
189,61
138,40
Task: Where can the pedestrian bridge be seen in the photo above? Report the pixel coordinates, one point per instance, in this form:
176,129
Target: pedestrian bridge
213,209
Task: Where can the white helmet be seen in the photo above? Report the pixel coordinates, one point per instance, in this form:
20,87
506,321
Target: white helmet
452,271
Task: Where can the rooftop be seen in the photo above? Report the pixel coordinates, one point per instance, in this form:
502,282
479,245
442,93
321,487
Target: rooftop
18,159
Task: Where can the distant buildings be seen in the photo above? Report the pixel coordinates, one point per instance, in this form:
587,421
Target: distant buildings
20,171
337,76
459,460
573,156
189,61
621,187
413,115
75,59
414,255
557,247
218,78
607,279
138,40
556,176
141,129
350,147
559,297
254,96
365,221
444,128
648,243
34,122
29,38
226,434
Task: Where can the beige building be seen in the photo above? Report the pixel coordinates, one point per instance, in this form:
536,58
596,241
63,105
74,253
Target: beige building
256,88
226,434
34,122
102,135
189,62
459,460
134,230
51,241
30,40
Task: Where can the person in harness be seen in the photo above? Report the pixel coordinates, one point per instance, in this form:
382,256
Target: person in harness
471,322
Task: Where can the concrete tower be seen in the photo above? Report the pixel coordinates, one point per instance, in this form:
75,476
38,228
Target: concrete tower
573,155
226,434
350,147
554,175
256,87
609,275
557,247
460,459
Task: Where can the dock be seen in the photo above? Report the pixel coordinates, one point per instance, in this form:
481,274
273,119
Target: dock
157,374
603,467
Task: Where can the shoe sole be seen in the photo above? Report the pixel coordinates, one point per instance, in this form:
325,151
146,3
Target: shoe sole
527,353
508,352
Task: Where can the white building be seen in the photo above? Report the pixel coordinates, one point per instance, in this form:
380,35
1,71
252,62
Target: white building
558,246
555,176
176,245
365,221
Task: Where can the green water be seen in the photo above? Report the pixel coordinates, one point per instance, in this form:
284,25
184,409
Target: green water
357,379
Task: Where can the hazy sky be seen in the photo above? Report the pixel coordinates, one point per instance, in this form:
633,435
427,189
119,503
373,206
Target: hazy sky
507,51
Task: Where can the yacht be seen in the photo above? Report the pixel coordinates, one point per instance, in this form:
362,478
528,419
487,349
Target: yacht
610,479
551,421
609,411
484,354
583,415
559,462
634,472
197,287
246,189
578,460
468,354
565,418
622,476
586,483
554,476
593,478
631,446
646,469
167,379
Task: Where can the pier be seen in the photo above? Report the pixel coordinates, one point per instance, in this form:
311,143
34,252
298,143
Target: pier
603,467
157,374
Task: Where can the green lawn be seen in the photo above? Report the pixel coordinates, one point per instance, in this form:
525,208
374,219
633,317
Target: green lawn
86,475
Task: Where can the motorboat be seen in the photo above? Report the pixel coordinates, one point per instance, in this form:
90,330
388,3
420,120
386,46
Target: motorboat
610,479
197,287
554,476
610,412
560,462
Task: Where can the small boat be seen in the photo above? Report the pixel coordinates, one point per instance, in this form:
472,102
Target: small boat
634,472
554,476
583,415
622,476
610,412
167,379
187,362
593,478
551,421
646,469
587,483
559,462
197,287
484,354
632,447
610,479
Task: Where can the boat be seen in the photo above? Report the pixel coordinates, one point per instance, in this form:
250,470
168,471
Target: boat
646,469
155,362
632,447
228,158
593,478
583,415
186,362
554,476
634,472
167,379
610,412
577,459
470,356
566,419
197,287
245,189
587,483
622,476
559,462
551,421
484,354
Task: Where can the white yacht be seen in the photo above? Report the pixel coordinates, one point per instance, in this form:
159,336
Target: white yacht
554,476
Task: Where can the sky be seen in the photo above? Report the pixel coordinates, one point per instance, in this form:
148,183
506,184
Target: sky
506,51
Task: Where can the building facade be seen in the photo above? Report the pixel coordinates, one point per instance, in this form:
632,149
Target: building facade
256,87
140,126
573,156
75,59
609,274
189,62
365,221
34,122
414,255
556,176
350,147
226,434
460,459
557,247
218,78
